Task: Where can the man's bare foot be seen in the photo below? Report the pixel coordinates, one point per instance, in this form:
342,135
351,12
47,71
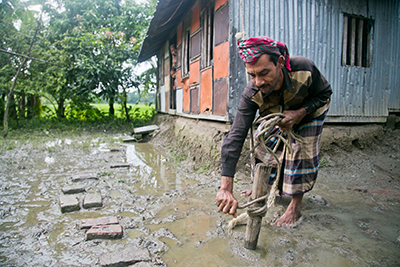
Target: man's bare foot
245,193
292,213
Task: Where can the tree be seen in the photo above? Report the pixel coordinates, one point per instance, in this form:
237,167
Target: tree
20,67
99,37
87,48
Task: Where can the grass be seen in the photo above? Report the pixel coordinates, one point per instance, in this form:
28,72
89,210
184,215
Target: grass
33,130
119,112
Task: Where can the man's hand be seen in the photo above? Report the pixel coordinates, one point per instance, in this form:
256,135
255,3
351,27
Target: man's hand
291,118
226,202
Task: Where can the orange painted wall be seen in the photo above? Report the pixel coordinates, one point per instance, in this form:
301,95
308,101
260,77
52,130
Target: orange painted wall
195,17
178,78
219,3
194,72
186,95
206,91
221,61
179,35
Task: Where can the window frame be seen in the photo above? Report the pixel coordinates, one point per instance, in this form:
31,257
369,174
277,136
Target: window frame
207,35
356,42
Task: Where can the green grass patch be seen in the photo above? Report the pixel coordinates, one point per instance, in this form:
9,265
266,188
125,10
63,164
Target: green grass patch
118,108
82,121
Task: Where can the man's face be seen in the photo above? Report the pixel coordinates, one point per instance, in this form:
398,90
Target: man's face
265,75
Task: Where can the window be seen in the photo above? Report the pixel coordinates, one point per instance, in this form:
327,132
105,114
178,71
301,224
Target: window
356,40
185,52
207,25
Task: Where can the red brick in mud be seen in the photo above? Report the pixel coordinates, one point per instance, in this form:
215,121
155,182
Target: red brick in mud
87,223
104,232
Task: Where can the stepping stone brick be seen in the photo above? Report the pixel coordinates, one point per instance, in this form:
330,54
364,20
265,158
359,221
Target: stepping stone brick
74,189
120,165
129,139
125,257
92,201
84,176
113,231
145,129
87,223
116,149
143,264
69,203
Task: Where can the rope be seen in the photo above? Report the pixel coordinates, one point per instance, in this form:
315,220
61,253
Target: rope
262,136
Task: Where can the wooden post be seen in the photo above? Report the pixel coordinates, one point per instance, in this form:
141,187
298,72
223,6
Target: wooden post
260,188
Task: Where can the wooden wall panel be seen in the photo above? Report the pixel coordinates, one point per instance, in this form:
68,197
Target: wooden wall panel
194,100
195,45
195,17
185,96
220,97
221,25
221,61
206,91
194,72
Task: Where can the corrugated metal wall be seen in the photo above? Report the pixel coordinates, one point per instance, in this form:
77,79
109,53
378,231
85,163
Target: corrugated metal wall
314,29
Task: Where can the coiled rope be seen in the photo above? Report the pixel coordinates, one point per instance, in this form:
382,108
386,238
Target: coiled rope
264,135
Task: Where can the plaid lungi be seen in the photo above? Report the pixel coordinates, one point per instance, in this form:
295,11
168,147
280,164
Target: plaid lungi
299,169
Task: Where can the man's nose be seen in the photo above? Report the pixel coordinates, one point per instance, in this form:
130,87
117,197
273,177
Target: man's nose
259,81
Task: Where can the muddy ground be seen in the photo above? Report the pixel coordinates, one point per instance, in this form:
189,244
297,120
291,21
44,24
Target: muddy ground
165,200
355,203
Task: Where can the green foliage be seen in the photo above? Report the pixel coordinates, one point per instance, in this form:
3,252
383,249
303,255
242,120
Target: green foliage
89,49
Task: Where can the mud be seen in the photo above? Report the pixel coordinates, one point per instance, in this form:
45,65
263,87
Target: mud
165,201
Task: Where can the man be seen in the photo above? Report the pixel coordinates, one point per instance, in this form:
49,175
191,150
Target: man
295,87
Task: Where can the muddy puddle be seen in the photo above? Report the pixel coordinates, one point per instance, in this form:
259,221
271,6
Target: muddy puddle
171,211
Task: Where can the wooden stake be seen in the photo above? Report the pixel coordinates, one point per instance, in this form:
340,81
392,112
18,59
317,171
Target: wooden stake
260,188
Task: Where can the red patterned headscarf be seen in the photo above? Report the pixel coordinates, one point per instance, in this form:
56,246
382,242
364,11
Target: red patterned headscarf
251,49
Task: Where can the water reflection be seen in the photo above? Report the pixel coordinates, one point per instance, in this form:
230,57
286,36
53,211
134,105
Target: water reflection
153,167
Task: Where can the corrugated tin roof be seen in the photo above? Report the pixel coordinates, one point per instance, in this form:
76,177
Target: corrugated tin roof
166,18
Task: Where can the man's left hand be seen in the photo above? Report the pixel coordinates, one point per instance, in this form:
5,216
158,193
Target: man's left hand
291,118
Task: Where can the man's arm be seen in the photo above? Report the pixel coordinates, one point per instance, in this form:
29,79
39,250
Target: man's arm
233,141
230,153
319,92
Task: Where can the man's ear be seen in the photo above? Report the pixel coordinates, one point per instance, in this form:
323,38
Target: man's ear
281,62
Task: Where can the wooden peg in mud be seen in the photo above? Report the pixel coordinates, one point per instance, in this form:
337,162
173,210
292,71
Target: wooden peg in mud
260,188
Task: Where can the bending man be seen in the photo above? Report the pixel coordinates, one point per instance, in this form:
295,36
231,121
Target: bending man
295,87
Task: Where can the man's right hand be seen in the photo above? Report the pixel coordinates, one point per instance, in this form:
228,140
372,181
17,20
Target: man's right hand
226,202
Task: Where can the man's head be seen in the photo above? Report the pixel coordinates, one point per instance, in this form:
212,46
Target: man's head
264,59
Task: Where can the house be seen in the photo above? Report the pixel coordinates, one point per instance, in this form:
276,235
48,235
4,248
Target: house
355,44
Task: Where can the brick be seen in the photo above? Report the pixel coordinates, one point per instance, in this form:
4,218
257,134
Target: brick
104,232
74,189
120,165
127,256
69,203
128,139
87,223
116,149
144,264
92,201
84,176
